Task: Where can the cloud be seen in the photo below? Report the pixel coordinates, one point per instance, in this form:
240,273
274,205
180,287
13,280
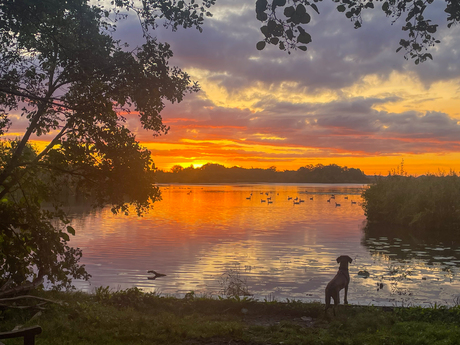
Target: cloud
350,94
338,56
348,125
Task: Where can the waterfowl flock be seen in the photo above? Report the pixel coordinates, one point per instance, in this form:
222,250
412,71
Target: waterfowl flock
297,200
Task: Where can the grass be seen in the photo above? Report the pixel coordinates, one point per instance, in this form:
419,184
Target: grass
133,317
428,203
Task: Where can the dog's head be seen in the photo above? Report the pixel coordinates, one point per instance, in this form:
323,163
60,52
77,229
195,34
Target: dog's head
344,258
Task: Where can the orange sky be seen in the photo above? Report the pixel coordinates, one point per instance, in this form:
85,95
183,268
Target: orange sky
215,127
350,99
361,126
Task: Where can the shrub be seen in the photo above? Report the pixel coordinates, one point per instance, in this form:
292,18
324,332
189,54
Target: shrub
429,202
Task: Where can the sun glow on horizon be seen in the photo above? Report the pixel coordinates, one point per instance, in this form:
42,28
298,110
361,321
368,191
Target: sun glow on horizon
285,126
167,155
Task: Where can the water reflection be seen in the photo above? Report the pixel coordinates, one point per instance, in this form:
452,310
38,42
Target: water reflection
282,246
423,263
402,244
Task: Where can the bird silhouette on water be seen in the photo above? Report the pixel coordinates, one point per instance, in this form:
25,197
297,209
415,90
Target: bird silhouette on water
155,275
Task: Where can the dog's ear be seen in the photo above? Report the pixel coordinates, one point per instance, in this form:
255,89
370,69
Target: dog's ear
350,260
338,259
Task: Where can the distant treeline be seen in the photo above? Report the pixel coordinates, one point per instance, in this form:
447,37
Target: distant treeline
216,173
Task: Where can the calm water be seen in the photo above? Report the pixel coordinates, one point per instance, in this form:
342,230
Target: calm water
198,233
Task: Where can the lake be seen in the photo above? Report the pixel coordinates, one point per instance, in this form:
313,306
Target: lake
281,239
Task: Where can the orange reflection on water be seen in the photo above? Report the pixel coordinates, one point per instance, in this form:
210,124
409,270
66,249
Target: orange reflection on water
197,232
282,238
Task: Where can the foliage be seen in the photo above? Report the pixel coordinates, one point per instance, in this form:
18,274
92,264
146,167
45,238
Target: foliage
432,314
425,203
331,173
233,285
154,319
64,74
283,22
216,173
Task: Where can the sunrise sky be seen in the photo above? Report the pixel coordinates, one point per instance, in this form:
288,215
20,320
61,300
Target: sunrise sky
349,100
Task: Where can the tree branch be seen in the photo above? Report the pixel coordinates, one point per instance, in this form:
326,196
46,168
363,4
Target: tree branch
2,300
24,287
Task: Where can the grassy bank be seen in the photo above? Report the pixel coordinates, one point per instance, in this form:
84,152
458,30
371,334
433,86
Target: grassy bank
132,317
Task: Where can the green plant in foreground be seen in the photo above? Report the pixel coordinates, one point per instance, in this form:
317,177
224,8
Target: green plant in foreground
134,317
233,284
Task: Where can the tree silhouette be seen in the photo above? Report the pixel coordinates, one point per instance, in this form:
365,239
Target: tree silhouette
216,173
63,72
284,22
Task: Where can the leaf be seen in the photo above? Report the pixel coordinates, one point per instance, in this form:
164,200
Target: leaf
289,11
304,38
304,48
305,18
278,30
271,25
278,3
64,236
261,5
295,18
315,8
300,9
431,29
260,45
71,230
265,31
385,6
341,8
397,50
404,43
274,40
261,16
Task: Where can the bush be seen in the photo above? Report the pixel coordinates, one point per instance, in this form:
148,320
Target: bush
429,202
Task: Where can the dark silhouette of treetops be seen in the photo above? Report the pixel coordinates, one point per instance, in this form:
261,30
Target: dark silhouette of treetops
216,173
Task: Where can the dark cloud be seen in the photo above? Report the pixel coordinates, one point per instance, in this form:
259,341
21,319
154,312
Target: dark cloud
338,56
349,125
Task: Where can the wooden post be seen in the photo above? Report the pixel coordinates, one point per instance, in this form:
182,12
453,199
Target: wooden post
27,333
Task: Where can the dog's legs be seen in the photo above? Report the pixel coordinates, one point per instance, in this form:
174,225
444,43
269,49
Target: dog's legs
345,301
336,298
328,302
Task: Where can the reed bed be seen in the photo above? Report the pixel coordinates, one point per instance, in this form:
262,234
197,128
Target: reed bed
425,203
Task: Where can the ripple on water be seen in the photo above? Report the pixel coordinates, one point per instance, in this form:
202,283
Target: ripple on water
277,248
